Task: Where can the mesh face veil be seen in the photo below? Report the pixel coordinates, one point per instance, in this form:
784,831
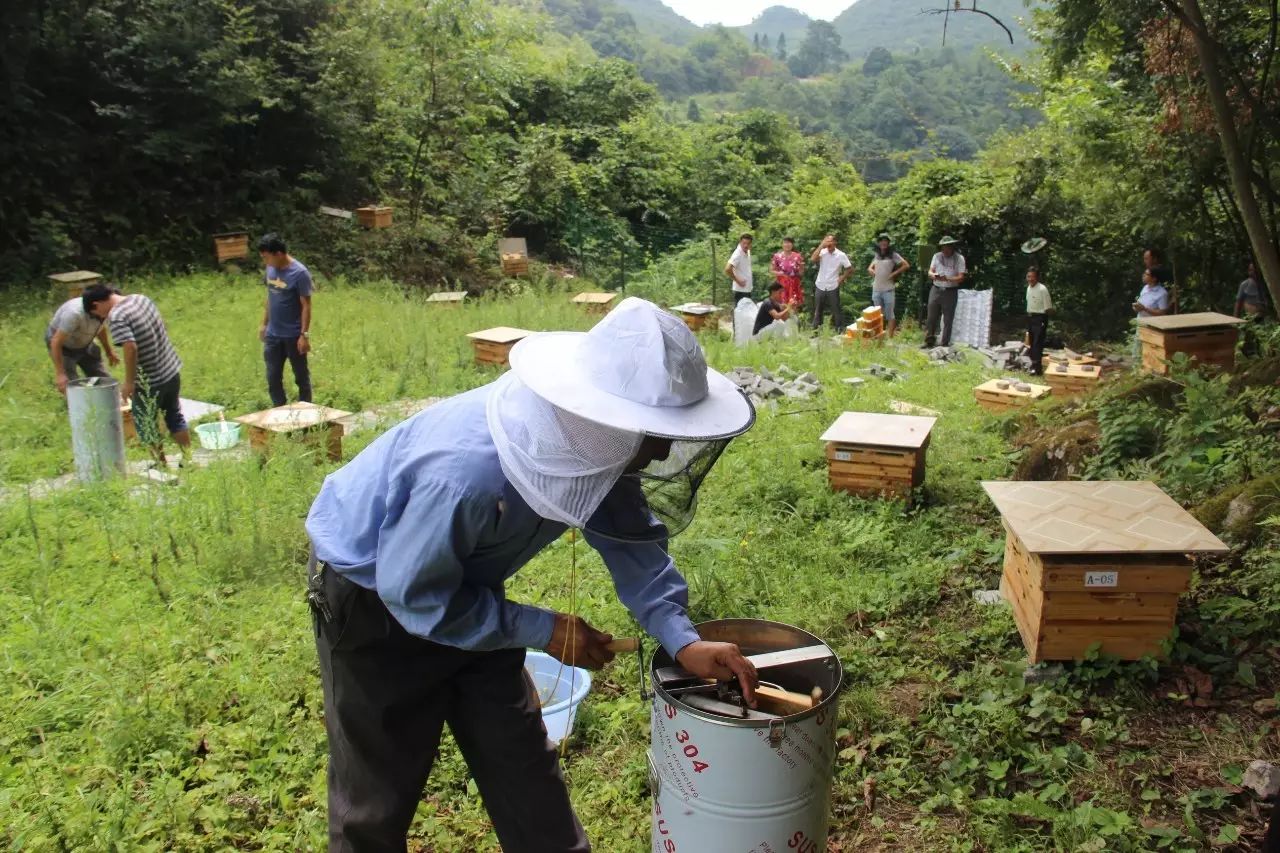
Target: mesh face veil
561,464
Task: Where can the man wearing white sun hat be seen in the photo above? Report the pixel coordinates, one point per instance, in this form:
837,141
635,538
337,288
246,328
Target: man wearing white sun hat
610,431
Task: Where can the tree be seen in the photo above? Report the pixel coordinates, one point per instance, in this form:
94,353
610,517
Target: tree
782,46
820,51
755,41
764,43
877,60
694,114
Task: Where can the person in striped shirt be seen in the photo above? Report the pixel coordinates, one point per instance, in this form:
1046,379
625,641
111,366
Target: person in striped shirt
153,377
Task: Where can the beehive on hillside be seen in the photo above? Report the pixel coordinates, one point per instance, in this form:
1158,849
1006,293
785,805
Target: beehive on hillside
1070,380
514,255
877,455
374,216
1003,395
447,298
1208,337
318,426
231,246
595,303
1095,564
68,285
696,315
493,346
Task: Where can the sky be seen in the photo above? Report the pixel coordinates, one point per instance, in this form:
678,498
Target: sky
736,13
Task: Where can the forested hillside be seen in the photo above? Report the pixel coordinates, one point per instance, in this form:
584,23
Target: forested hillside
478,119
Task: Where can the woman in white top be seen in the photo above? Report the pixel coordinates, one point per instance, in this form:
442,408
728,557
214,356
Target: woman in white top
885,268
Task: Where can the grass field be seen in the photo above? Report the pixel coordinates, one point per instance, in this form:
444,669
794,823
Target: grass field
162,691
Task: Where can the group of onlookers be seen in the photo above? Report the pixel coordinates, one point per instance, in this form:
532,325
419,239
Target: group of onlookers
947,272
152,381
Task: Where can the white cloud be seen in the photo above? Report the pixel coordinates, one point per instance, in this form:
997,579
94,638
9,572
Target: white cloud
740,12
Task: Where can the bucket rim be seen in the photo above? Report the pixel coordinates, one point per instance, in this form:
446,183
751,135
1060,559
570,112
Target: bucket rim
579,683
828,700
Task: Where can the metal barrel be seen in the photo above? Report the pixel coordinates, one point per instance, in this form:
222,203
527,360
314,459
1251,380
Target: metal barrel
746,785
97,432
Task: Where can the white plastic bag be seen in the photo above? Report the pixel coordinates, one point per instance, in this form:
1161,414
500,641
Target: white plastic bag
744,318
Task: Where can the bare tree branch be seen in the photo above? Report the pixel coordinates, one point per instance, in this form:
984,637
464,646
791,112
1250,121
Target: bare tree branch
959,8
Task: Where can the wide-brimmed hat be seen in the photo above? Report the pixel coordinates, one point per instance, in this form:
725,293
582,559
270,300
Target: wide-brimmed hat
884,236
948,241
639,369
1034,245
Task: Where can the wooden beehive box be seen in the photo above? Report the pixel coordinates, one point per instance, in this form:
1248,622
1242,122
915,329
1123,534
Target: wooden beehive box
696,315
873,454
192,410
447,298
493,346
231,246
514,254
1066,357
71,284
317,425
993,398
595,303
1069,380
1209,338
1095,563
374,216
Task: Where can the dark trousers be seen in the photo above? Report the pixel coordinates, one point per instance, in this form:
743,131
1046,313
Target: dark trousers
828,300
274,352
387,694
942,306
1037,328
88,361
1271,843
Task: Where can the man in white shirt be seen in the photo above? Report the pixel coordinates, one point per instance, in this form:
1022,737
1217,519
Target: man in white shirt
739,270
946,271
834,267
1039,304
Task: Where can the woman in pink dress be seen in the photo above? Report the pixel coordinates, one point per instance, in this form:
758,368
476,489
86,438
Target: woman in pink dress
788,267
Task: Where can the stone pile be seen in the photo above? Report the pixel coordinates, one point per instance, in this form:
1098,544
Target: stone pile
1011,355
943,355
779,383
888,374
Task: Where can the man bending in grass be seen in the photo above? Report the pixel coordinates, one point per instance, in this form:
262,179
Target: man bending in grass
152,380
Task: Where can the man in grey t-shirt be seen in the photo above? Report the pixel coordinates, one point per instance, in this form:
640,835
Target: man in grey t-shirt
70,341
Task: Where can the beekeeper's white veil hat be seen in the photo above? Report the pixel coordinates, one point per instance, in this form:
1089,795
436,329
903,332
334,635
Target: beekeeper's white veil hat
573,410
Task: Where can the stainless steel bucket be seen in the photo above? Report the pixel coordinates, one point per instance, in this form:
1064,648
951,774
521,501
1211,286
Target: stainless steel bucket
97,430
745,785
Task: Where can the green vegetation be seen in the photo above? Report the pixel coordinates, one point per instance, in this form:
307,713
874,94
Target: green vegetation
163,686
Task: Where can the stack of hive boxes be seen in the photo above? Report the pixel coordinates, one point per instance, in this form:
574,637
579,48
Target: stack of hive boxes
869,327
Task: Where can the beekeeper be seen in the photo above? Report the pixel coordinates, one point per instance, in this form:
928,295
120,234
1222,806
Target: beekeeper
611,431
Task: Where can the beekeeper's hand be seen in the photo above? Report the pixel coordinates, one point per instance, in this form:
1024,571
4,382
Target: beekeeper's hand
723,662
576,643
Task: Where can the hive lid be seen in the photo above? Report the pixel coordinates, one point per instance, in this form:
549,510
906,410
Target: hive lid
694,308
595,298
500,335
75,277
1074,371
1179,322
1106,516
1036,391
448,296
909,431
292,416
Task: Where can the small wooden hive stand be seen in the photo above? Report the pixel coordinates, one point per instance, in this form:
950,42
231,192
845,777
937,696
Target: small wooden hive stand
595,303
872,454
1208,338
231,246
318,425
696,315
514,254
447,298
72,284
1095,563
493,346
374,216
868,328
993,398
1070,380
1066,356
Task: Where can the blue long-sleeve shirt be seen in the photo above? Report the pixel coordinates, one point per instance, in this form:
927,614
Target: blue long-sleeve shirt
425,516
